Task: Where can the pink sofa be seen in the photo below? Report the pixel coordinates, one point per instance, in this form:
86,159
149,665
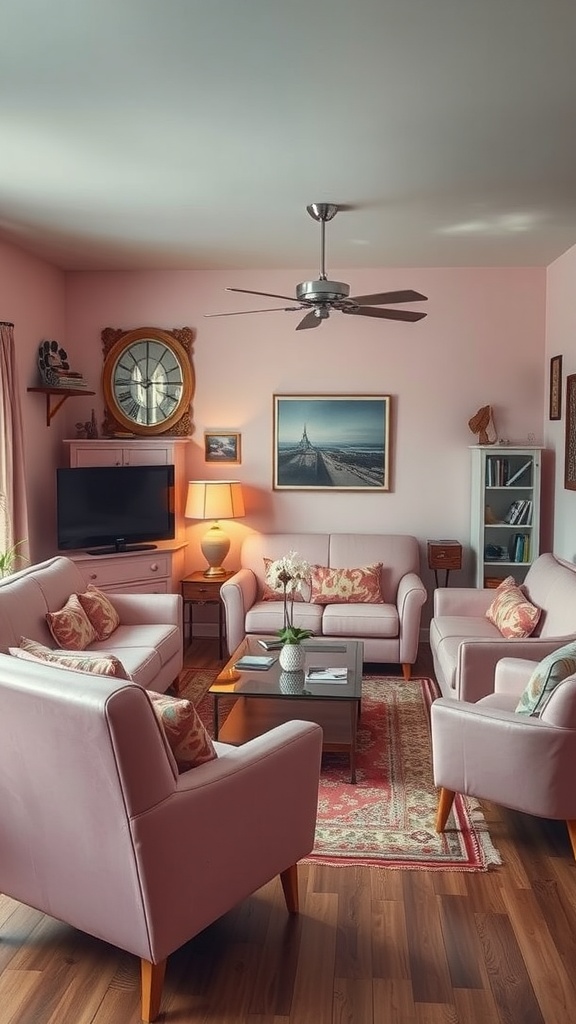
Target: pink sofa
99,830
390,631
487,750
148,640
466,646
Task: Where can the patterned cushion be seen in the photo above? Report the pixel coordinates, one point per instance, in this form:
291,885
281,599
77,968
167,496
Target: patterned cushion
100,611
344,586
511,612
551,671
99,664
186,735
269,593
71,627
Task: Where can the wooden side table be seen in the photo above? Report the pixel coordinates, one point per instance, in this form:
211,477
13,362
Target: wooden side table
444,554
200,589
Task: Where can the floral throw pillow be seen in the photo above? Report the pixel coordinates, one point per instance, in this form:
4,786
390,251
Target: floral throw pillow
71,627
272,593
547,675
345,586
186,735
100,611
511,611
79,661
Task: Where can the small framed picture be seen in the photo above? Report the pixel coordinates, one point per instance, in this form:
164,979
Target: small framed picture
222,447
556,388
570,443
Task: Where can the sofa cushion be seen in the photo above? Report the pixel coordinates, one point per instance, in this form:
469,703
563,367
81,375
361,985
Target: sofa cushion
164,638
186,735
361,620
268,617
100,611
78,661
511,612
70,626
547,675
339,586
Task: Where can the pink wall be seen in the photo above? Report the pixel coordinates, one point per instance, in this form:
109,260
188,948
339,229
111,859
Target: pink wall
32,296
482,342
561,340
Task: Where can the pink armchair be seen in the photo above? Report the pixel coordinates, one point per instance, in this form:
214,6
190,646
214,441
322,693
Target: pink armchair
489,751
99,830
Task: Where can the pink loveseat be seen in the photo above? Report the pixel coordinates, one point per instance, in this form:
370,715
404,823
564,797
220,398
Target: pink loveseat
390,631
466,646
99,830
148,640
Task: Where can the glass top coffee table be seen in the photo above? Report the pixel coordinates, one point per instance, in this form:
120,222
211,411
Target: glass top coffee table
267,698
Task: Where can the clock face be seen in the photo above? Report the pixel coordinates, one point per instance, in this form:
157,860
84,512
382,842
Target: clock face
147,381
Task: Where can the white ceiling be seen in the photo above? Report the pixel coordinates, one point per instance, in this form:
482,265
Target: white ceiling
192,133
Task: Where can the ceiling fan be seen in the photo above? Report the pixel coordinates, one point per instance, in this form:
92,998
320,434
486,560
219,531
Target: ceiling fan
321,297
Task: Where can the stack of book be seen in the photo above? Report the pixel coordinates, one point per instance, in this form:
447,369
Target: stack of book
519,513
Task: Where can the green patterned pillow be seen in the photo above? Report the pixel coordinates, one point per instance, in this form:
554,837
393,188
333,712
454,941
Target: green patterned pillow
551,671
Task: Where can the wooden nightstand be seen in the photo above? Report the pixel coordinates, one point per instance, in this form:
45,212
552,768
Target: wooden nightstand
444,554
200,589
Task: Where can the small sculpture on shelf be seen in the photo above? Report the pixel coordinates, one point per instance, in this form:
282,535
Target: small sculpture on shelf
88,430
55,369
480,422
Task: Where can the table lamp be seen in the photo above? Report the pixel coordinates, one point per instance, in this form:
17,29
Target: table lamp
214,499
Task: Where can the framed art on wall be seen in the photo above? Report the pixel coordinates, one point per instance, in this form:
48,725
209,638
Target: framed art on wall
555,388
332,442
223,447
570,443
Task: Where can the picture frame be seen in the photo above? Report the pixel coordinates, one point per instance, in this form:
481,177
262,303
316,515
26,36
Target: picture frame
555,388
570,441
222,446
331,442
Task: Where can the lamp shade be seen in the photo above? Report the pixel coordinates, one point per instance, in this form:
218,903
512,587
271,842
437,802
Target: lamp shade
214,499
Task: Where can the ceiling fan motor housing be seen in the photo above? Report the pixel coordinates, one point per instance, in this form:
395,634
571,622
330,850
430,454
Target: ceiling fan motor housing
322,291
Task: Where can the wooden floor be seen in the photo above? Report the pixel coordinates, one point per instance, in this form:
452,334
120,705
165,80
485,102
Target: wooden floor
370,945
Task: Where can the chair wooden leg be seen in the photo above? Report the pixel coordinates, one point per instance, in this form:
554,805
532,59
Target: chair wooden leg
152,981
571,826
407,671
289,879
445,801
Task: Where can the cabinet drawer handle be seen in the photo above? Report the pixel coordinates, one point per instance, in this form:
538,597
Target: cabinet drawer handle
154,567
93,575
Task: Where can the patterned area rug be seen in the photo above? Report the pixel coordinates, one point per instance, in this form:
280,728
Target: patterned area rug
387,818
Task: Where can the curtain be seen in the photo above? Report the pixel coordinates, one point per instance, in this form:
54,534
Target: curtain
13,504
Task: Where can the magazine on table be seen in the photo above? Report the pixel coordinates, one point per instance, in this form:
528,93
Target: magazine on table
320,673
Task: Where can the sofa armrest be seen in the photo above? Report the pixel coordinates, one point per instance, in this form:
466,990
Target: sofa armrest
512,675
147,609
477,661
462,601
238,595
411,597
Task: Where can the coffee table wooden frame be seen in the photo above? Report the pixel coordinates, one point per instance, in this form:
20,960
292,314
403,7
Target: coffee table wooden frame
261,704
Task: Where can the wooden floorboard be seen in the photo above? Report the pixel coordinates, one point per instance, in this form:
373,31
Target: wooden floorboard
370,946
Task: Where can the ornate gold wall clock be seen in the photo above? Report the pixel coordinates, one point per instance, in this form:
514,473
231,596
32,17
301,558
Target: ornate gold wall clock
148,381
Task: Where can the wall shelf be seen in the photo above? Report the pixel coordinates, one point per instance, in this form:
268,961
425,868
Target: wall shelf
61,394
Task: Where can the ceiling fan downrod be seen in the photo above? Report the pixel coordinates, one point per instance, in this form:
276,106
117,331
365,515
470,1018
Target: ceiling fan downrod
322,212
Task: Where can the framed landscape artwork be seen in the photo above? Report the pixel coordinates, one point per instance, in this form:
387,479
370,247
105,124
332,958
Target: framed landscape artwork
331,442
570,445
224,447
555,388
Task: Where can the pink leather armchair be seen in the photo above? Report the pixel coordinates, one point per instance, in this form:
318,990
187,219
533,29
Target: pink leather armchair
489,751
98,829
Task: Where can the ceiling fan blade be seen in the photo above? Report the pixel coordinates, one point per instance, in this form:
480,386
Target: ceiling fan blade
275,309
385,314
385,298
310,320
269,295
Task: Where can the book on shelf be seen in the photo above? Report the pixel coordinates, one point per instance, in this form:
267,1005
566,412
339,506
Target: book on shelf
249,662
512,512
318,674
525,517
519,472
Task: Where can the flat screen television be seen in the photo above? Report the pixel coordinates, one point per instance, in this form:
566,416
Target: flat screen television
114,508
